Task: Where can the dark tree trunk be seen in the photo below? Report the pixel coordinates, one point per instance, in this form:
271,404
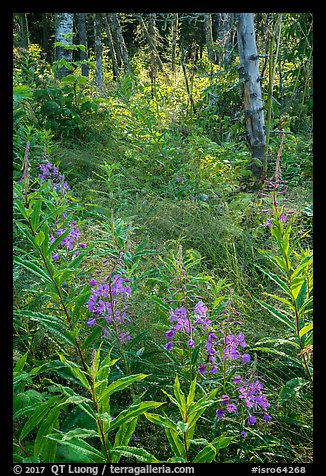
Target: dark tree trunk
209,37
175,25
24,30
115,40
45,37
98,49
120,42
224,35
82,38
150,41
253,104
152,32
115,66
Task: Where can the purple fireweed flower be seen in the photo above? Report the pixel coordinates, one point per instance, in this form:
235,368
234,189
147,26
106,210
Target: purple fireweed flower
284,218
91,321
213,370
200,309
169,345
123,337
245,358
202,369
108,301
82,245
220,412
225,399
243,434
268,223
55,256
251,420
170,334
231,408
267,417
191,343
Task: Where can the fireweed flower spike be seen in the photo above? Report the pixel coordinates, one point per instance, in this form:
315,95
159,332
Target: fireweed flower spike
109,302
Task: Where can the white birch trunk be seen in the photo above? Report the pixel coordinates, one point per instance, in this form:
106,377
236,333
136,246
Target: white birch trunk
63,33
253,103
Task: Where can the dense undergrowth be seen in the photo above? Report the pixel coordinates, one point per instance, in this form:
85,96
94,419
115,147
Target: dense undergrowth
162,295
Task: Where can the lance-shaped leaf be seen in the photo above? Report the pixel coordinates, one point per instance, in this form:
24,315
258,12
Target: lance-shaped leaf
87,452
123,436
33,268
132,412
139,453
38,415
120,384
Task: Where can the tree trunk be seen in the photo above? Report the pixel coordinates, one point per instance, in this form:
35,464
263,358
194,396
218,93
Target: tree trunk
24,30
63,34
253,104
209,37
98,49
175,25
152,32
82,38
224,37
121,43
115,40
115,66
149,40
45,37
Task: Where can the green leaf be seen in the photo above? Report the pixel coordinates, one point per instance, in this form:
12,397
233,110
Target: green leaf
121,384
77,372
80,433
176,444
38,415
52,324
206,455
291,389
91,454
277,314
161,420
33,268
139,453
221,442
132,412
191,393
123,436
44,430
282,284
39,238
20,363
305,329
58,240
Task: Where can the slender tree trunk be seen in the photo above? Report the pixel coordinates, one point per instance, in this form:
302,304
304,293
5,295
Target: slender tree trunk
114,39
24,30
120,41
152,32
82,38
63,34
115,66
98,49
253,104
45,37
175,26
209,37
225,37
149,40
